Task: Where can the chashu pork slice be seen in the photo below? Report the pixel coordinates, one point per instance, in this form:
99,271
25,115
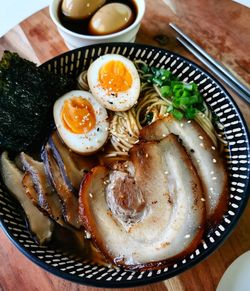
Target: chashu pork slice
205,157
73,167
148,210
39,190
63,189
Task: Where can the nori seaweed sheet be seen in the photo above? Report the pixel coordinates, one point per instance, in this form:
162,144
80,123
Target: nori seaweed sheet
27,95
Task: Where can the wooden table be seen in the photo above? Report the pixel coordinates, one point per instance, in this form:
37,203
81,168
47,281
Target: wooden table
222,28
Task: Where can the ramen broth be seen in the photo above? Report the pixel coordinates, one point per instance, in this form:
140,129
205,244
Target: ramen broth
74,243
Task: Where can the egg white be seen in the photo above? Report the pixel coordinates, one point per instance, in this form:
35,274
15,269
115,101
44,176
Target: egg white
91,141
123,100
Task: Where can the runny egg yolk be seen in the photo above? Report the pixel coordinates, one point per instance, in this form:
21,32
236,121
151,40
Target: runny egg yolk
115,77
78,115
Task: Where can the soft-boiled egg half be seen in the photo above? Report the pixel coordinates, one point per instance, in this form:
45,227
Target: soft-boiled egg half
81,121
114,82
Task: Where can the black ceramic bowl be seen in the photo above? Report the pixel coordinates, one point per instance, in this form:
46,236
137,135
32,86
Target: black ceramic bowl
237,155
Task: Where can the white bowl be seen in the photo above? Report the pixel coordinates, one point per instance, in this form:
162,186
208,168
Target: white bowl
74,40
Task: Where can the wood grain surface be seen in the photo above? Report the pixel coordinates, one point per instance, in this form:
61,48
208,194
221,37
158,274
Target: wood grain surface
222,28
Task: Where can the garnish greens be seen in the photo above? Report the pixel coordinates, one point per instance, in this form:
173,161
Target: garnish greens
184,99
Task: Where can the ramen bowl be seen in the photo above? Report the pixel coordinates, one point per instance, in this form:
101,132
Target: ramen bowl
74,40
65,264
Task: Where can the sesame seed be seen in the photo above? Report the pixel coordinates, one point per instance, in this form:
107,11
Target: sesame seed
203,199
189,121
212,172
213,148
214,178
90,195
187,236
164,135
146,155
214,161
202,145
166,172
200,137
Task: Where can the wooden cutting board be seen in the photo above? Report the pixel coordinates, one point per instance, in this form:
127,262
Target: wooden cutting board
222,28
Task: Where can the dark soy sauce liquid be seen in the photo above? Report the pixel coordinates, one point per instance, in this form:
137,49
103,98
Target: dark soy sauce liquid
81,26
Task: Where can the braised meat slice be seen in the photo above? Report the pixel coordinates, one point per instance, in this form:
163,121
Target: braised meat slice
38,188
205,157
147,211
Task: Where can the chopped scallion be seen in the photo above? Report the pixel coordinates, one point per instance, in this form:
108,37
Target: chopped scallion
177,114
165,91
185,97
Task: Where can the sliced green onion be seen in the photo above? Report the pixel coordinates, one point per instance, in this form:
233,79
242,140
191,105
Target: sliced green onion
190,113
157,81
176,102
170,108
186,93
145,69
185,101
165,91
188,87
177,114
186,98
156,72
177,87
166,74
178,93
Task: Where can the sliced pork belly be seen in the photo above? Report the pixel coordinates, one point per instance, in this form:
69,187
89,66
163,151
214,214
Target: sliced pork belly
148,211
73,167
205,157
39,189
62,188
